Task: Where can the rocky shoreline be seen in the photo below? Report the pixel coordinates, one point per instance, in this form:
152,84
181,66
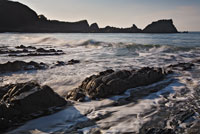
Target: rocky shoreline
25,101
11,67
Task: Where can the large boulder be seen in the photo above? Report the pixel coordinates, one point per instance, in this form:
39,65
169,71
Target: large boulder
15,15
111,82
25,101
161,26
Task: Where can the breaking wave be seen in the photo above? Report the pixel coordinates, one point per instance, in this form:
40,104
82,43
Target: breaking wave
134,46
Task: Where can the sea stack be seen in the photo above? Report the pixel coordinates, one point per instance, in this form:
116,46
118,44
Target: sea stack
161,26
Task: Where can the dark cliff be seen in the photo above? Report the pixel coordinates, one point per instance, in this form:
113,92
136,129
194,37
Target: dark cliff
54,26
161,26
16,17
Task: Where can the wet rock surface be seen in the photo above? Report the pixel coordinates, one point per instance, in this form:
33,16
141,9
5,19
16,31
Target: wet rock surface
181,66
22,51
21,66
16,66
62,63
111,82
25,47
175,116
160,131
72,61
26,101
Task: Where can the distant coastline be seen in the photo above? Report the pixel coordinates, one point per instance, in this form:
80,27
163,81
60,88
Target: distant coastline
17,17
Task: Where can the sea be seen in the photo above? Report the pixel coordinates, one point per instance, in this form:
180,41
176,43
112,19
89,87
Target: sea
98,52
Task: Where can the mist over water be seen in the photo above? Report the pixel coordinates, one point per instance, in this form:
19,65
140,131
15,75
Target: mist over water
98,52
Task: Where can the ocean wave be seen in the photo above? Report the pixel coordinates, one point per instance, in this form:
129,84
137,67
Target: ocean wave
46,40
91,43
163,48
135,46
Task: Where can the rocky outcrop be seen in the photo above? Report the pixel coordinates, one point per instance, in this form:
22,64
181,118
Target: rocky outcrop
25,101
181,66
16,66
25,47
26,66
161,26
94,28
62,63
109,29
14,15
111,82
21,66
72,62
22,51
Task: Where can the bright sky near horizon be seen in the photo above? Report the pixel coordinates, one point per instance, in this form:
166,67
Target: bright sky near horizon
121,13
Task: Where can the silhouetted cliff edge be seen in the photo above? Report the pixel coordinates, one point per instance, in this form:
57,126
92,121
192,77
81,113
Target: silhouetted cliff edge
16,17
161,26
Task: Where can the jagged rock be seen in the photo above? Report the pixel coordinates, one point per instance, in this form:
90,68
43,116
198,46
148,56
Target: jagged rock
36,54
161,26
111,82
181,66
4,90
134,29
25,101
20,66
62,63
72,61
25,47
7,51
30,51
160,131
47,51
109,29
194,129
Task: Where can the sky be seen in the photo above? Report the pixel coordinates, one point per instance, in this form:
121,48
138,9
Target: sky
121,13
